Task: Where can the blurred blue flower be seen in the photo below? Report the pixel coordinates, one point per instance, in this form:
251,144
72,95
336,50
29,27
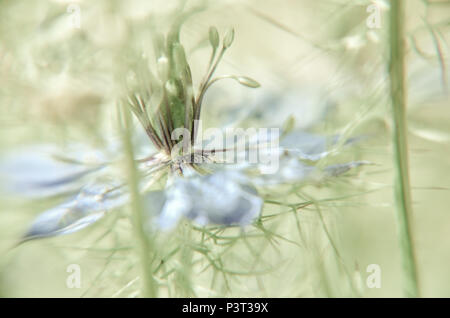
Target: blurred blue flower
202,186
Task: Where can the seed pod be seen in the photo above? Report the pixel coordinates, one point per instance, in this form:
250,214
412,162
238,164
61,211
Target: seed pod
228,39
214,37
247,81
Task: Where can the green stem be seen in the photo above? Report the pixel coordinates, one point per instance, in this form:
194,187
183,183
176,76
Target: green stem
149,287
402,183
202,91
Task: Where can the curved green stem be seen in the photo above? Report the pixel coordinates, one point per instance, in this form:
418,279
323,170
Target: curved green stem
149,287
400,130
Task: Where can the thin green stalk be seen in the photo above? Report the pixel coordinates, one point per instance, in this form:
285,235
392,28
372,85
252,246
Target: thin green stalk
149,287
402,184
184,275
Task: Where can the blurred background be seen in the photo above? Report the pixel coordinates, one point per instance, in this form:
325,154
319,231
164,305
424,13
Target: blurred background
322,66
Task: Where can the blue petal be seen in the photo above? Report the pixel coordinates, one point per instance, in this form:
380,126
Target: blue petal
91,203
37,172
222,198
308,105
310,146
290,170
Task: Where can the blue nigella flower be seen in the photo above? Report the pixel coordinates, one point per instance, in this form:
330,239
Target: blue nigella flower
204,184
